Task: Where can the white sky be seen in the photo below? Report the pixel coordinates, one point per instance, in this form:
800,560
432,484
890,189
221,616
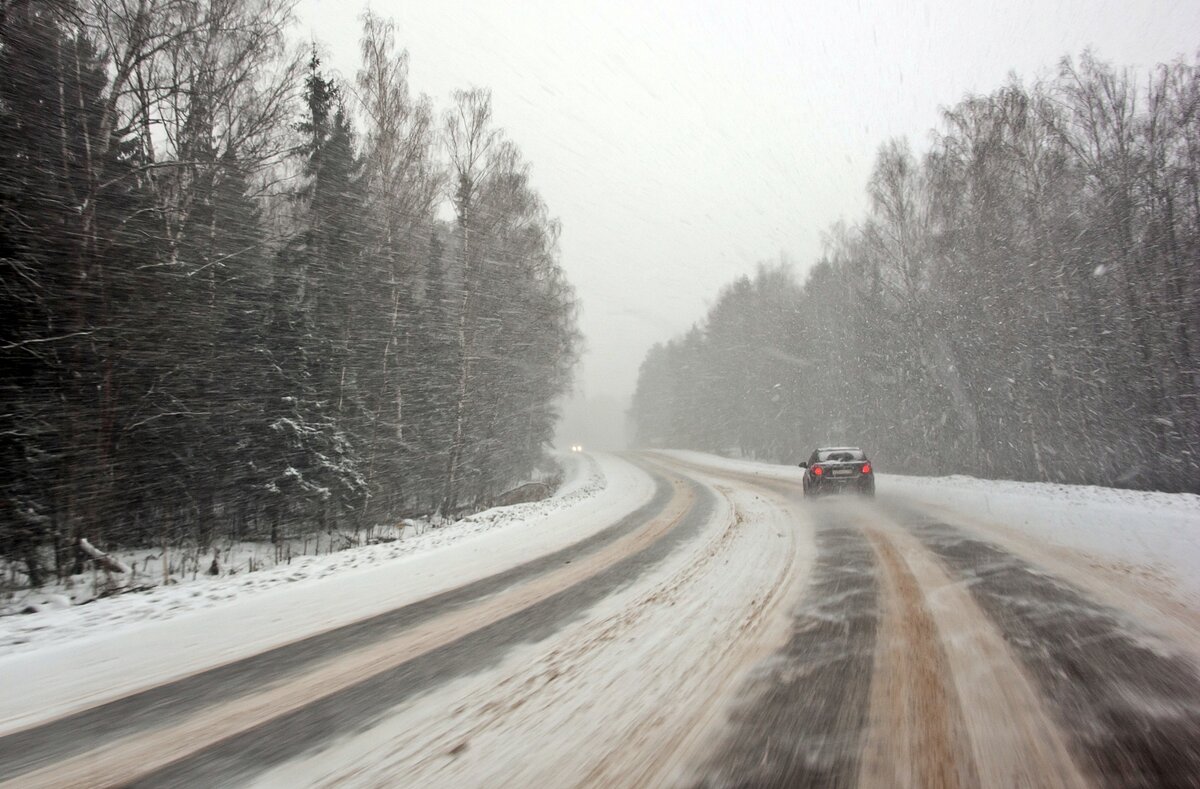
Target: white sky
682,142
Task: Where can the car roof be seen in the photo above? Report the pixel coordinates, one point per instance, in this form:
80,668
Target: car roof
839,449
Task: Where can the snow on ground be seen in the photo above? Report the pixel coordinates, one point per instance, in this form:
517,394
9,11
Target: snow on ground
267,565
753,467
645,657
1156,535
57,659
55,620
1152,535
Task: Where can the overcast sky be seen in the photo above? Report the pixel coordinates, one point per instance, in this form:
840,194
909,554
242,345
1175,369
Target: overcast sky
681,143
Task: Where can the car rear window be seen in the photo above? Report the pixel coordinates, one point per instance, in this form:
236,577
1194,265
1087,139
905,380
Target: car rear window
841,455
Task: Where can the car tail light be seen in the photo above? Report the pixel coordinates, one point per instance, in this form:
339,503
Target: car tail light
866,468
818,471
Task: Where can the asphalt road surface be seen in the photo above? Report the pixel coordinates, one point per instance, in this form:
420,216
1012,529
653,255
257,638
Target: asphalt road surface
724,632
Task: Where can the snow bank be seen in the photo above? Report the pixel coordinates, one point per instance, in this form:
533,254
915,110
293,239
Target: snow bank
114,575
752,467
56,620
1156,532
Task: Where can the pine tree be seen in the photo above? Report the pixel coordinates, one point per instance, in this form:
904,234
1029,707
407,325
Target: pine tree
314,466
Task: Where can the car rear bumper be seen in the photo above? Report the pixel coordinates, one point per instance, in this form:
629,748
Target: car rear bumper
853,484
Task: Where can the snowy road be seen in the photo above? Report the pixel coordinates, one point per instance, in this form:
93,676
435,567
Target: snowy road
696,624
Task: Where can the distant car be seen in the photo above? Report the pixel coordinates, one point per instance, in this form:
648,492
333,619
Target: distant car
834,469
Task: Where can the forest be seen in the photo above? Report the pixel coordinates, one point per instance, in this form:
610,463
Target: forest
1021,301
244,299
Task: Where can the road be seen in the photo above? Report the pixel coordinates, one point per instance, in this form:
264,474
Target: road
722,632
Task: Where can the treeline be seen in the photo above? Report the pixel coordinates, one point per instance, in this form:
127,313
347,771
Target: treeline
1021,302
229,307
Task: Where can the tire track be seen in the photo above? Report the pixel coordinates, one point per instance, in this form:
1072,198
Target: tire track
1048,687
172,703
648,668
949,704
803,715
917,731
759,631
358,707
1130,712
952,704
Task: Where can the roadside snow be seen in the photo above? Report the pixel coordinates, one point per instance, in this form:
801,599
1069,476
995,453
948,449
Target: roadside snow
57,620
1154,535
753,467
261,565
59,659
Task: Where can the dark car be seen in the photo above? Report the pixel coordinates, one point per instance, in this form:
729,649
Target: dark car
834,469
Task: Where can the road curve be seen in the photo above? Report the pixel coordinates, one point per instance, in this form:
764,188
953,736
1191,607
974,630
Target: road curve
726,633
925,655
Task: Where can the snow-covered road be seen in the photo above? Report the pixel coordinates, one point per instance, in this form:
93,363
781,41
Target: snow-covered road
670,619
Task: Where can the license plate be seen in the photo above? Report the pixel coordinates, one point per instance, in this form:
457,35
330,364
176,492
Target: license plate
843,473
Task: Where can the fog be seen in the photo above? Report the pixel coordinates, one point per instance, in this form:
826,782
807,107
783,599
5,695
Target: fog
682,143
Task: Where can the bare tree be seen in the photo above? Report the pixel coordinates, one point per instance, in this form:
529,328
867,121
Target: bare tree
471,142
402,183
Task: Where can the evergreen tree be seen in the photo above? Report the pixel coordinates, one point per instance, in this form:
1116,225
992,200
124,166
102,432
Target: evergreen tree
315,466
